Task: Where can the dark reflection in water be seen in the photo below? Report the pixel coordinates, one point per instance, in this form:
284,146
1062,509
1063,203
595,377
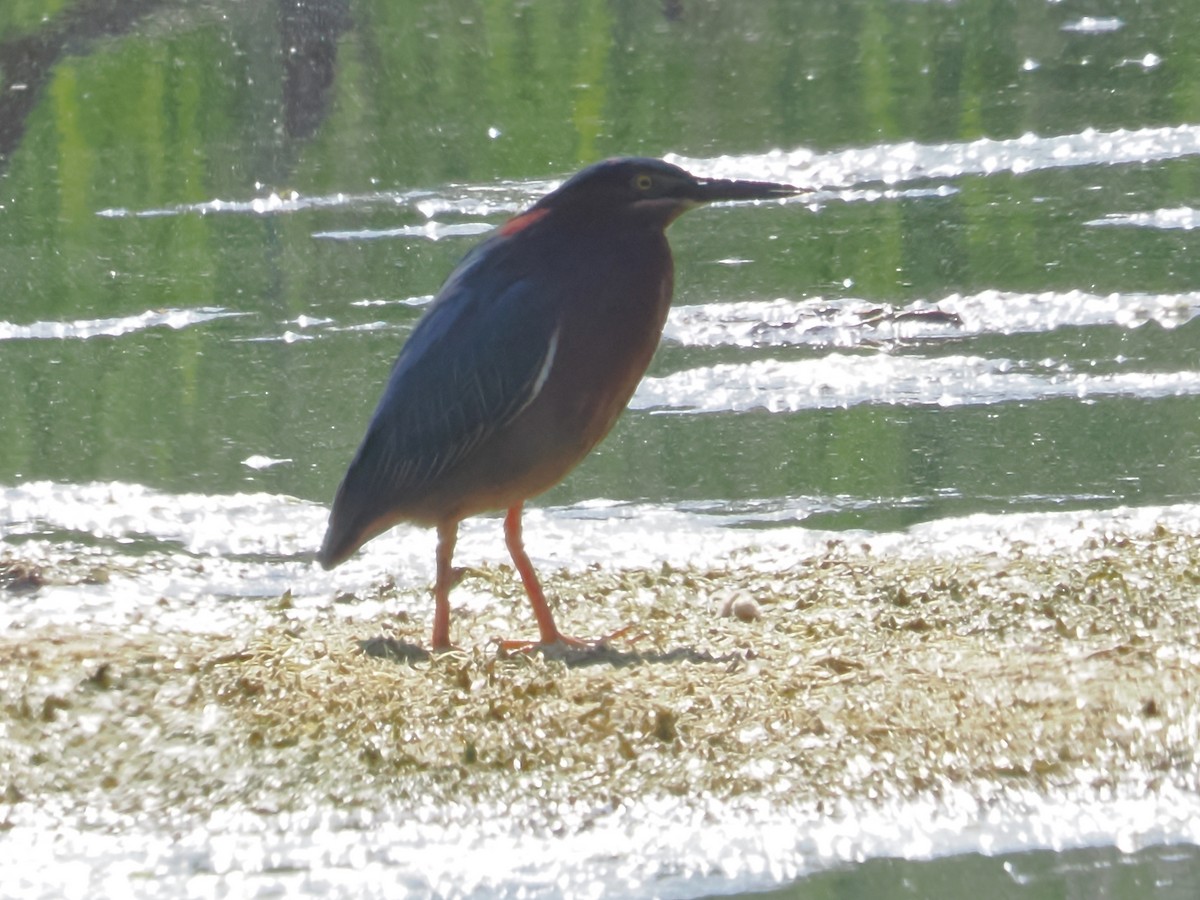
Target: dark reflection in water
27,60
309,34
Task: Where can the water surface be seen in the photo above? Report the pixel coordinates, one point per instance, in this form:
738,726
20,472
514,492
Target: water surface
218,224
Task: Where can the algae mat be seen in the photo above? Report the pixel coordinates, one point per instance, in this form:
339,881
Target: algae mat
853,681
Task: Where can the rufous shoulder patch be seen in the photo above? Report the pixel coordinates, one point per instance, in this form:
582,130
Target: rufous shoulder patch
522,221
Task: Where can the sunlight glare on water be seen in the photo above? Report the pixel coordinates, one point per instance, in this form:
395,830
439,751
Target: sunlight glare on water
907,161
704,847
848,322
114,327
1184,217
838,381
973,337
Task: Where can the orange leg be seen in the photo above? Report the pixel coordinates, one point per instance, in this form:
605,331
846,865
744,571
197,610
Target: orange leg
516,548
447,537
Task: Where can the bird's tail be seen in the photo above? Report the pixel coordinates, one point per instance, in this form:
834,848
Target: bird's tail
336,547
345,532
359,513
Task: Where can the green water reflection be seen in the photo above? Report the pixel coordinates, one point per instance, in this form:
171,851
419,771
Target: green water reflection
166,105
109,109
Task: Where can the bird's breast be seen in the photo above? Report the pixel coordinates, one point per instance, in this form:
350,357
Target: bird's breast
608,333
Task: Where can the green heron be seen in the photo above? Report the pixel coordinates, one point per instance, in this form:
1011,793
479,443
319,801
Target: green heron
521,364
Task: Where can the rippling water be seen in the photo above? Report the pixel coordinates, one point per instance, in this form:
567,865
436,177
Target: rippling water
979,325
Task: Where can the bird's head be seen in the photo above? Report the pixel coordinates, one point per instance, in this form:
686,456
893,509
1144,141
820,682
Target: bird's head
650,188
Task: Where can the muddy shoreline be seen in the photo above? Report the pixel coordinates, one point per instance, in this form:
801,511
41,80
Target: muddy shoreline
866,678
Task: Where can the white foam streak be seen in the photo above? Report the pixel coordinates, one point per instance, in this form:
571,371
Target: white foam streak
433,231
268,204
1094,25
1184,218
479,201
851,168
909,160
854,322
844,380
113,327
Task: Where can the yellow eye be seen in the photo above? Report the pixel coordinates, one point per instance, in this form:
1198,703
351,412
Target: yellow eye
642,182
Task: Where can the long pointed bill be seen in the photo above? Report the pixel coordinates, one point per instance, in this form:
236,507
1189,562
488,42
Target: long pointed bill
710,190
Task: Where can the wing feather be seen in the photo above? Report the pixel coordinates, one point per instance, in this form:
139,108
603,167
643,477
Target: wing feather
479,356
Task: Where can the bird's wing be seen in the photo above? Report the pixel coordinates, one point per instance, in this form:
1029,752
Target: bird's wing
479,356
459,384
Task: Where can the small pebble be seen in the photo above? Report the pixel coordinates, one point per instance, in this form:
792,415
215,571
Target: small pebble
744,608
